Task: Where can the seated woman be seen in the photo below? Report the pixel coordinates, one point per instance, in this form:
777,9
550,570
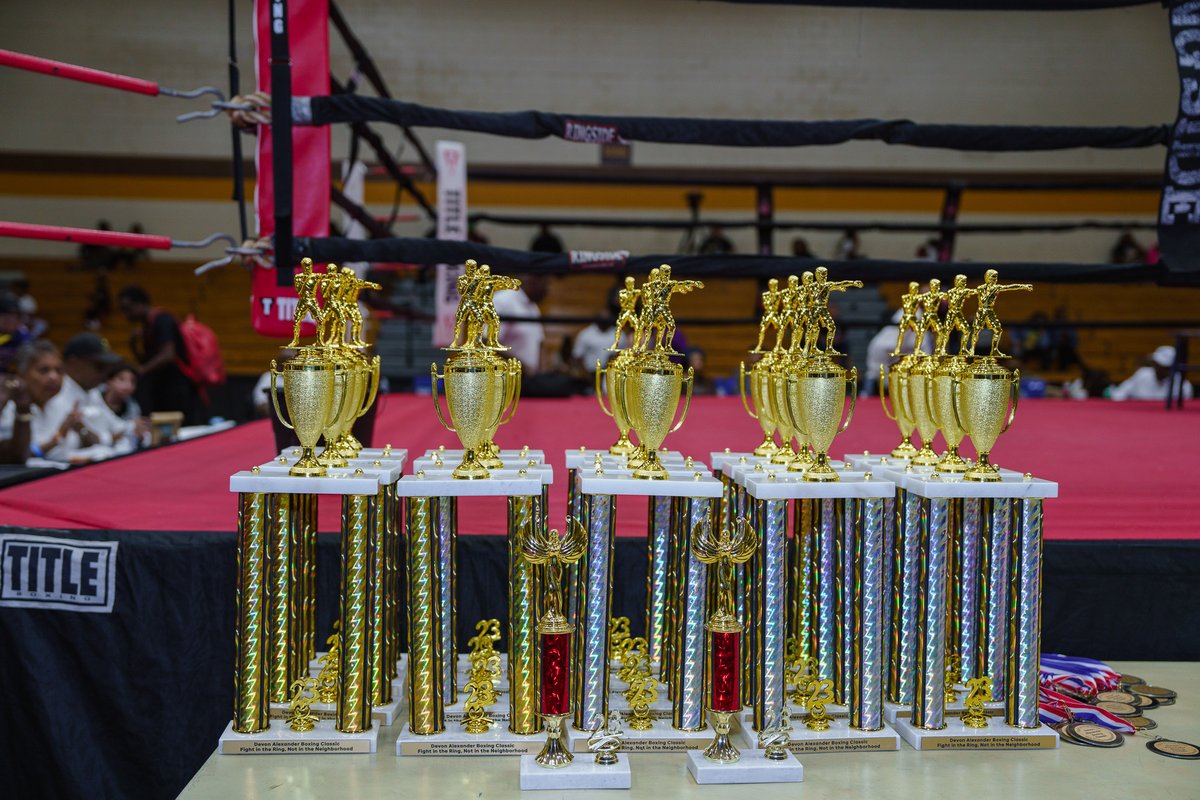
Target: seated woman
120,416
53,437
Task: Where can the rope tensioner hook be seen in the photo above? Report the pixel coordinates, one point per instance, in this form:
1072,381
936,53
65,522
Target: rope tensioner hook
111,80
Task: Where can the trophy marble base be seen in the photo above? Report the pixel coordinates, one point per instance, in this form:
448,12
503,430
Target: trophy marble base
661,738
895,711
582,773
499,741
996,736
659,709
455,713
280,740
752,767
840,738
382,715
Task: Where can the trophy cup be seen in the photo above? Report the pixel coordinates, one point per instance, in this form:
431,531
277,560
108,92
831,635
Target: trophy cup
940,391
510,392
547,548
984,389
652,383
725,631
309,382
820,388
344,373
612,387
480,386
896,380
760,393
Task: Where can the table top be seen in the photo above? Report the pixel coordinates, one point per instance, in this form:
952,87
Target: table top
1069,772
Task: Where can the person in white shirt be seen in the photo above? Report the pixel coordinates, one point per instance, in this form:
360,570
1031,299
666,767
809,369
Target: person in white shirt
1150,382
120,418
524,338
86,362
40,368
593,342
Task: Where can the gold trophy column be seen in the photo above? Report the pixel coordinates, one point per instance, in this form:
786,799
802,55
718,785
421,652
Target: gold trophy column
381,679
284,633
250,705
354,665
426,713
524,514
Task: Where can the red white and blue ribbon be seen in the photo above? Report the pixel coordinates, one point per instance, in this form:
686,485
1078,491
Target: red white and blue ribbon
1075,675
1055,707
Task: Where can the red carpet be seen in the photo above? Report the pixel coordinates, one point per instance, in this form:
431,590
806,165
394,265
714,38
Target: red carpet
1127,471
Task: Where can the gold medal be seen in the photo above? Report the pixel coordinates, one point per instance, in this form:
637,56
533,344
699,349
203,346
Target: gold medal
1143,703
1157,692
1090,734
1173,748
1119,697
1142,723
1120,709
1129,680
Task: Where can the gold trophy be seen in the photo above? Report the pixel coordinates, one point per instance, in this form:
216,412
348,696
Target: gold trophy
760,394
510,391
309,380
475,408
480,386
653,383
916,401
333,455
893,384
950,368
612,387
985,394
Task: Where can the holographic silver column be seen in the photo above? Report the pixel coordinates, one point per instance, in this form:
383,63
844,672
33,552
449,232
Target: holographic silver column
770,697
929,690
906,598
591,645
864,694
848,511
969,577
666,665
887,544
752,575
688,676
998,520
577,510
447,530
828,652
656,581
1025,620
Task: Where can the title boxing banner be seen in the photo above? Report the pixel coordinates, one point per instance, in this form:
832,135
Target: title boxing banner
57,574
1179,212
452,226
272,306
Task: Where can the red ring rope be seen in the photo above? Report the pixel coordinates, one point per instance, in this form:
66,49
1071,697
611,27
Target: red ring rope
55,233
72,72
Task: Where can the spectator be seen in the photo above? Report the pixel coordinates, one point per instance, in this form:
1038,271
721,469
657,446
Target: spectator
592,343
12,333
928,250
716,243
86,361
525,338
16,414
847,246
1150,381
546,241
879,351
97,257
702,384
158,344
121,416
40,368
800,248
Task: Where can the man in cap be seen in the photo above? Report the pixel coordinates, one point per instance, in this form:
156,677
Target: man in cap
86,363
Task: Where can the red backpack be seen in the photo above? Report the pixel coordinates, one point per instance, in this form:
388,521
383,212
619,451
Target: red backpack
205,366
